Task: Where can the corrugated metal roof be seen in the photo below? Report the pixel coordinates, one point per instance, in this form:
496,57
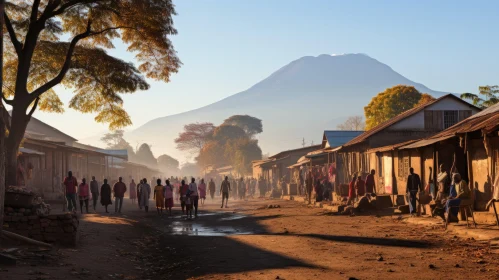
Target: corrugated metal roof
30,152
390,147
286,153
486,121
363,137
335,138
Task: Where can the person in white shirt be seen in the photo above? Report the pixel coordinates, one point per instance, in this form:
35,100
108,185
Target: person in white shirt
194,195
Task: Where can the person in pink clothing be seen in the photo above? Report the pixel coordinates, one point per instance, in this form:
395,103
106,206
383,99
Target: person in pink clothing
169,196
202,191
83,194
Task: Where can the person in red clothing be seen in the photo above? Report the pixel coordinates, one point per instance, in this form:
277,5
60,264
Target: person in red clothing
183,194
370,184
351,191
83,194
360,187
119,190
70,184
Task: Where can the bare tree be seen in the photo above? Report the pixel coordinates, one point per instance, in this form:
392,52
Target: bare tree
355,123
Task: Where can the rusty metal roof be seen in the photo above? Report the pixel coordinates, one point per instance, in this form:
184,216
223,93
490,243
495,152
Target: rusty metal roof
305,150
390,147
364,136
486,121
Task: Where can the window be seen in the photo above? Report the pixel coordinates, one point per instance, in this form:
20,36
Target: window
403,167
450,118
433,120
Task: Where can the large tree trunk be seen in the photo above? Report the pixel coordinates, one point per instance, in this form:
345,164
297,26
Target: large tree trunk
19,122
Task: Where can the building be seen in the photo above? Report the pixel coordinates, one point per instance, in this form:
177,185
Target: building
360,155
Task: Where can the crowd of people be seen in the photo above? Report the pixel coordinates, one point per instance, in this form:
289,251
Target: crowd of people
189,196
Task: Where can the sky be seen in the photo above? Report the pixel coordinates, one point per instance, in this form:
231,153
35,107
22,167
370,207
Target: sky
226,46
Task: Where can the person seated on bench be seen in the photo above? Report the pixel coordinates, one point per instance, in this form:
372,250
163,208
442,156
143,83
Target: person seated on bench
459,192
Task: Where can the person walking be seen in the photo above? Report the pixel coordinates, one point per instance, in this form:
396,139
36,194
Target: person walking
371,183
145,194
70,184
211,188
413,187
83,194
159,196
139,188
119,190
194,195
182,191
168,197
94,189
105,195
351,191
133,191
202,191
224,191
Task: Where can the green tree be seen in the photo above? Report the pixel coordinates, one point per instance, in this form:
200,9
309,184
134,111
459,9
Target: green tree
54,42
241,152
249,124
225,132
390,103
490,96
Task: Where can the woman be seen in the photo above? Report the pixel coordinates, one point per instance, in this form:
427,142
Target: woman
318,191
159,191
133,192
168,197
351,191
105,195
83,194
202,191
139,187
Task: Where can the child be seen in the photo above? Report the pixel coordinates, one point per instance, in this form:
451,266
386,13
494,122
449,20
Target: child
188,207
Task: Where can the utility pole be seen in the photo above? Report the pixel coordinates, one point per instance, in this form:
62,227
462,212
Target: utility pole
2,124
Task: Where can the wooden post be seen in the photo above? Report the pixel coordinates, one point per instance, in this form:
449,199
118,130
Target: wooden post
2,125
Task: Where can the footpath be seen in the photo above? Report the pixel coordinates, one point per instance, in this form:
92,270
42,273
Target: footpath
486,229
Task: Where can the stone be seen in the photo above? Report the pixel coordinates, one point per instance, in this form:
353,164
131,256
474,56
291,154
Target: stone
35,232
21,210
36,226
9,209
22,226
52,217
54,224
7,219
58,230
69,229
16,218
431,266
33,217
380,259
49,229
24,219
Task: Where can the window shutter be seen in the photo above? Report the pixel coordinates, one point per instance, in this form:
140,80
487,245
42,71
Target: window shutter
428,120
438,123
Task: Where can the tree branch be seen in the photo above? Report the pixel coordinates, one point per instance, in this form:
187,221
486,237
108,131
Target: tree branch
34,11
65,67
34,107
12,35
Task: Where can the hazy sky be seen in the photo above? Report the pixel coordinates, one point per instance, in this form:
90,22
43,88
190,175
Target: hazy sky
227,46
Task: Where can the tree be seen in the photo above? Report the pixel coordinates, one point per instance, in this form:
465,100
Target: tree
249,124
241,152
490,96
190,169
425,98
226,132
167,163
354,123
145,156
114,140
213,153
194,136
390,103
39,57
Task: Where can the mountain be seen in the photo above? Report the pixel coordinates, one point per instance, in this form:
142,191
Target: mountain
298,101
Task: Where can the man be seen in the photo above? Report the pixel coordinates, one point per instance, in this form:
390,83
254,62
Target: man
309,183
194,195
70,184
224,190
370,183
119,190
413,187
211,188
94,189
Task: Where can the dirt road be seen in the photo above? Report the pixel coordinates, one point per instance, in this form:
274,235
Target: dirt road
250,241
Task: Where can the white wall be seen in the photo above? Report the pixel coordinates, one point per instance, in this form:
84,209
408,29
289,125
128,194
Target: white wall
416,121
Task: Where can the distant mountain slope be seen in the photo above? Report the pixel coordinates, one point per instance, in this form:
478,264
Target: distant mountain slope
300,100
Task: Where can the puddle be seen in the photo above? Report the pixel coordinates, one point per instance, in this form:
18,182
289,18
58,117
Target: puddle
195,229
233,217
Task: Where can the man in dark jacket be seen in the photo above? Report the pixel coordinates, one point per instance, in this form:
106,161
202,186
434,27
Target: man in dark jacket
119,190
94,189
413,187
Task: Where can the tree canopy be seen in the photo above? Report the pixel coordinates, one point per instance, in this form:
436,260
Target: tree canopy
167,163
65,42
194,136
353,123
145,156
490,96
249,124
392,102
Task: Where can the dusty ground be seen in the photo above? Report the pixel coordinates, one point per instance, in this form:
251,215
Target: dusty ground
248,241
